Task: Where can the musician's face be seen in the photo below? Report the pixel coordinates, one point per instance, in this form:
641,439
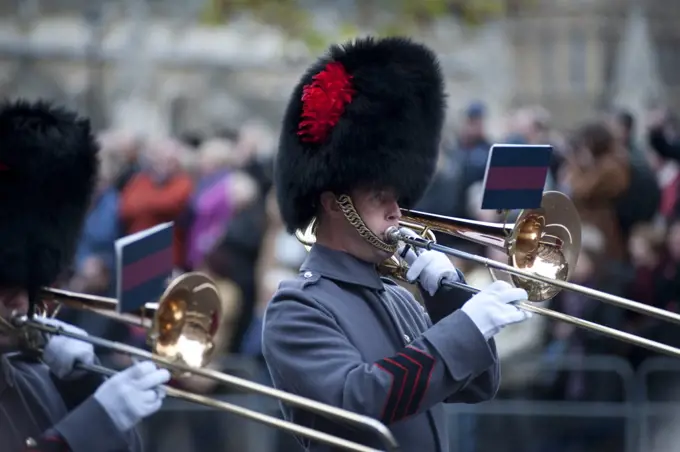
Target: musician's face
12,301
379,210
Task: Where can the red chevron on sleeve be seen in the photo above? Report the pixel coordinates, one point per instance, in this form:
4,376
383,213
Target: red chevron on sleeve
411,370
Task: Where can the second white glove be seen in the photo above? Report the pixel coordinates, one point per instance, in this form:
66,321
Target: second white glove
62,353
491,310
430,268
133,394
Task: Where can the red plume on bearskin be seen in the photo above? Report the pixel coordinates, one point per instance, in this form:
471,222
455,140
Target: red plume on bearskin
324,101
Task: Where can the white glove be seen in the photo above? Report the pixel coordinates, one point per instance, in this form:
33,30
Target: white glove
133,394
62,353
430,268
491,309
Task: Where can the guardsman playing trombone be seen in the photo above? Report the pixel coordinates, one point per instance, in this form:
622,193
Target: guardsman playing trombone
359,139
48,169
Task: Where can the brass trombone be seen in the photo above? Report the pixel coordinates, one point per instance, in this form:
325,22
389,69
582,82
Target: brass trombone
542,247
181,329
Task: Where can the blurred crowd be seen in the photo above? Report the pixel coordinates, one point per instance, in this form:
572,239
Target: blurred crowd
621,172
625,186
217,191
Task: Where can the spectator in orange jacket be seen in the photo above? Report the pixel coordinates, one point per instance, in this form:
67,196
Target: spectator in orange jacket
158,193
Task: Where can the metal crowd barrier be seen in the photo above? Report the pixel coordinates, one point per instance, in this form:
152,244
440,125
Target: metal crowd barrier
530,425
659,405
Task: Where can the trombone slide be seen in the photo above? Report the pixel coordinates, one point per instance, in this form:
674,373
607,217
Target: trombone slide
262,418
319,408
592,293
420,242
584,324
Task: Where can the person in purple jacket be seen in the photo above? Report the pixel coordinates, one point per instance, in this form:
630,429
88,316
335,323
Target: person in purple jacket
359,139
48,170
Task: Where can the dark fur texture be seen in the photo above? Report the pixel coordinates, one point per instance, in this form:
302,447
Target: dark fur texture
45,191
388,136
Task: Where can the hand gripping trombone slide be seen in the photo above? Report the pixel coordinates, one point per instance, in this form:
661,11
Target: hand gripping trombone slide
395,234
321,409
180,331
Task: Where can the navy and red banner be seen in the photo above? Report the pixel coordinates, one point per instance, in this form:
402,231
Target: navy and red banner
515,176
144,266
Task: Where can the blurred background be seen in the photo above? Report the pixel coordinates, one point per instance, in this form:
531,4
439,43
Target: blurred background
187,96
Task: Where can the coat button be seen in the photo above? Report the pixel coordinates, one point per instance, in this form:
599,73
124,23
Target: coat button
407,339
30,442
308,275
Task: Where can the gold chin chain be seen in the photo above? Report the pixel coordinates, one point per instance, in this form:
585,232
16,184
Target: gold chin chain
347,206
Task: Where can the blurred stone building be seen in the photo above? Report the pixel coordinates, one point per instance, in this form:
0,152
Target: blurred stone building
150,65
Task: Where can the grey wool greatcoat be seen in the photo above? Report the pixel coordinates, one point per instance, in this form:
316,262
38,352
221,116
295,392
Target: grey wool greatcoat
56,415
342,335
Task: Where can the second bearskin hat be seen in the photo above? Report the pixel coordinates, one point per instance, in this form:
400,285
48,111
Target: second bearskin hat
48,171
368,114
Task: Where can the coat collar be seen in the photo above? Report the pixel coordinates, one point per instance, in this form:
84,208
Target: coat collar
342,267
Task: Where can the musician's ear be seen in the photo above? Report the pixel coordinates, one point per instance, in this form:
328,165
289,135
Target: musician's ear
329,205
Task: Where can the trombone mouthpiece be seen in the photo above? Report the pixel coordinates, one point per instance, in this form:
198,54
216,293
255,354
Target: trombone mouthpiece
392,235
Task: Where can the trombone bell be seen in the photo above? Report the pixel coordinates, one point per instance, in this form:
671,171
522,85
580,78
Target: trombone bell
181,326
545,241
186,320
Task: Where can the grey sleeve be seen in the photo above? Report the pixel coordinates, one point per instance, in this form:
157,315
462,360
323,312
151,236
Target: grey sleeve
308,354
88,428
445,302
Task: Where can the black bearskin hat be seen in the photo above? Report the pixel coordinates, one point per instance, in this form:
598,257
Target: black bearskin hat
368,114
48,172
